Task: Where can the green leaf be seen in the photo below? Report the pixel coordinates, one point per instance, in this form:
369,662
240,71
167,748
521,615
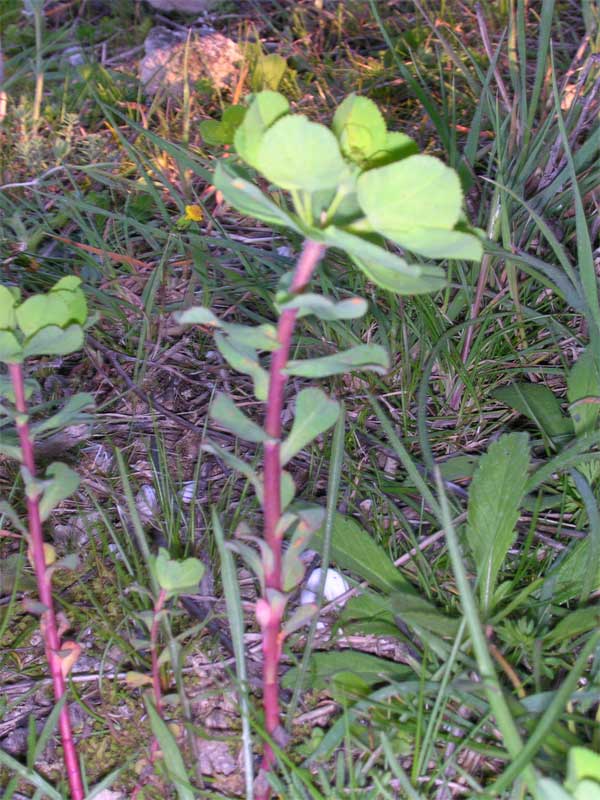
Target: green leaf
349,669
548,789
297,154
537,402
292,569
39,311
326,309
493,510
224,411
396,146
583,392
11,351
244,360
583,764
72,412
198,315
171,755
62,481
354,550
300,617
416,202
177,577
415,611
574,624
265,109
360,128
54,341
260,337
371,357
269,72
369,613
8,319
246,198
416,192
222,132
566,579
7,510
386,269
314,414
69,292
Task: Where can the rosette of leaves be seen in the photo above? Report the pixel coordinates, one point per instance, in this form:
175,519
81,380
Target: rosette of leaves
354,187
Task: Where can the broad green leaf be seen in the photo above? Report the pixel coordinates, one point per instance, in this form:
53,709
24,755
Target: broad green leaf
354,550
222,132
567,578
538,403
386,269
415,611
576,622
583,764
40,311
10,450
396,146
69,283
547,789
224,411
73,298
11,351
493,510
8,319
371,357
72,412
265,109
198,315
297,154
349,669
245,360
583,392
359,127
172,759
326,309
314,414
54,341
369,613
177,577
417,192
246,198
62,481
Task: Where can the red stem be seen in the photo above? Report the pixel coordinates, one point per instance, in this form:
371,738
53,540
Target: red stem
312,253
48,624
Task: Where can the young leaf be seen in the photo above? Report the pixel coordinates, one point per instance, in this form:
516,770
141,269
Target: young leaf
396,146
269,72
352,549
583,392
493,510
260,337
8,319
246,198
538,403
265,109
54,341
359,127
222,132
198,315
244,359
326,309
224,411
349,669
55,308
178,577
315,413
364,357
62,481
297,154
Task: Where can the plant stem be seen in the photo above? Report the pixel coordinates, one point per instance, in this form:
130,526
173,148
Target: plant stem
48,624
158,607
312,253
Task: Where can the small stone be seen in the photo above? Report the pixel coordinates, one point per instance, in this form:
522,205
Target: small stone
183,6
106,794
146,503
215,757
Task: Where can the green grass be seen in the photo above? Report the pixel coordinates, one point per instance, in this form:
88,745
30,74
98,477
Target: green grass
497,703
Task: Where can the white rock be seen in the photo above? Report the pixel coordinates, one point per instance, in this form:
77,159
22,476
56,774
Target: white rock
335,586
188,492
106,794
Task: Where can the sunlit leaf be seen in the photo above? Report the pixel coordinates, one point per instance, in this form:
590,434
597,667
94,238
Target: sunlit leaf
178,577
538,403
54,341
359,127
224,411
265,109
371,357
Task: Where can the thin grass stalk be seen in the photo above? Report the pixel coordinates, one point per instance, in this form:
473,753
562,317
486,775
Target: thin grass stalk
48,625
312,253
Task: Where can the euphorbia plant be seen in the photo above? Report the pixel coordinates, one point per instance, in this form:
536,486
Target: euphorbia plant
354,187
48,324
